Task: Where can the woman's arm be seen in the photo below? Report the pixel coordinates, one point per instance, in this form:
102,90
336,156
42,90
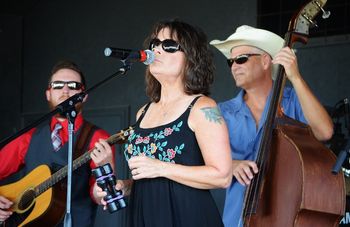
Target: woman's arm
211,133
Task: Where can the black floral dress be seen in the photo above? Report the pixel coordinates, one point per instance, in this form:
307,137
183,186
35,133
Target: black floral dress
160,202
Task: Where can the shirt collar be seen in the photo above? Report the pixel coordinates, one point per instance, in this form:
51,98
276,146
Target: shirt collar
78,122
239,103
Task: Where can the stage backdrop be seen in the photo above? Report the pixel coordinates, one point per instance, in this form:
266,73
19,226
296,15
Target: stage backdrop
30,43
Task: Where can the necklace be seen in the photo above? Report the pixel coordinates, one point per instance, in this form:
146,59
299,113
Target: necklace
164,108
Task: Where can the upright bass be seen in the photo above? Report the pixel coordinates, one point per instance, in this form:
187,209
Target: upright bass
295,186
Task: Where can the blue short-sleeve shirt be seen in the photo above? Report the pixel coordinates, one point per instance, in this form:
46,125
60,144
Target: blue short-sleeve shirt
244,142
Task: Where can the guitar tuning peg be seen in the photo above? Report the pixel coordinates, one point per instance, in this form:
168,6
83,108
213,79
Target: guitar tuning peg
325,14
313,23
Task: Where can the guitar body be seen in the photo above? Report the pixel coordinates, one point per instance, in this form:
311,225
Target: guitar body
29,209
40,198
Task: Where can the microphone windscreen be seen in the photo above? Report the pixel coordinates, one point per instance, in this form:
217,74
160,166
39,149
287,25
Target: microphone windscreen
108,51
150,57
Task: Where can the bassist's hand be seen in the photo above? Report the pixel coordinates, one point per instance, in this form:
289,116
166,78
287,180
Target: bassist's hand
244,171
287,58
4,205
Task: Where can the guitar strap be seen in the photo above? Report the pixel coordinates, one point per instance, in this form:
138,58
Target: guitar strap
87,130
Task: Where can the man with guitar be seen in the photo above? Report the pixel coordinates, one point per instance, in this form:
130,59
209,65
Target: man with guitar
48,144
253,55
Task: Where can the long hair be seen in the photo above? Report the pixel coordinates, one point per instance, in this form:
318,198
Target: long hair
199,71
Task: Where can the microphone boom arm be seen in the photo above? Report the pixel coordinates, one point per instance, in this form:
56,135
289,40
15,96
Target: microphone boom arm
65,106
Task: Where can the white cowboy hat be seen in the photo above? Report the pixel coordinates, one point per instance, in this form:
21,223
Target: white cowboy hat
249,36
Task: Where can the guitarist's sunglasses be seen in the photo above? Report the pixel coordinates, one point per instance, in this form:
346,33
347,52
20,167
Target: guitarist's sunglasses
240,59
72,85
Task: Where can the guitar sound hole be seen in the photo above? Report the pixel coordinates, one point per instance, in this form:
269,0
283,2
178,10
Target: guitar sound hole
26,200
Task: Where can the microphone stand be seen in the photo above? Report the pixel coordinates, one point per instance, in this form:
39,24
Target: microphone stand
71,118
347,114
344,154
67,108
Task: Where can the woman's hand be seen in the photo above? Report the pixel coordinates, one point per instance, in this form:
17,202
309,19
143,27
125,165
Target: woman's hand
121,185
99,194
145,167
124,186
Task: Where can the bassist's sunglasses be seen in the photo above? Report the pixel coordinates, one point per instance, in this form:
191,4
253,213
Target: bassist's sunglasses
240,59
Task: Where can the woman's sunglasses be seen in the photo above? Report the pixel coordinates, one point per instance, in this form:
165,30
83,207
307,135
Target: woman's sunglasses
168,45
240,59
72,85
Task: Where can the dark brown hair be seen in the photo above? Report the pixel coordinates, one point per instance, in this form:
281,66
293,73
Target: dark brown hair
67,64
199,72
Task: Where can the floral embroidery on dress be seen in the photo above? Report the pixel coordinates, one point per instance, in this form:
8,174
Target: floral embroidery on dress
154,145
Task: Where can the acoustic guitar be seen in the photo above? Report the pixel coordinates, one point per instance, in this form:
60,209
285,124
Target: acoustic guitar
38,199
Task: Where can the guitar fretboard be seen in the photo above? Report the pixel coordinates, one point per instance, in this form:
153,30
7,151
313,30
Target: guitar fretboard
120,138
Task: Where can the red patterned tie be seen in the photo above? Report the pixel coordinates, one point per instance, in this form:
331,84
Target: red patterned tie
55,137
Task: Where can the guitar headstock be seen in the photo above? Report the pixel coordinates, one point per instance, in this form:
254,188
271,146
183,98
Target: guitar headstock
304,18
121,136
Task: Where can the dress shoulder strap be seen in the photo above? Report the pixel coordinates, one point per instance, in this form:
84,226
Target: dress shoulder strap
189,108
143,113
193,102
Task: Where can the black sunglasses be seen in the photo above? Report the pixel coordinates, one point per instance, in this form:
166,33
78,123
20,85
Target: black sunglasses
168,45
72,85
240,59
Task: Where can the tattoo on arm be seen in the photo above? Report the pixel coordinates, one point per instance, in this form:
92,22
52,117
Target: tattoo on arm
212,114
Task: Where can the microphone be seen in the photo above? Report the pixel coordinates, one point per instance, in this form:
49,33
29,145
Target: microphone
130,56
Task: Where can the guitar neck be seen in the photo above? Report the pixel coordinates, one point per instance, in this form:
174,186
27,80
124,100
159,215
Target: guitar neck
120,138
62,173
